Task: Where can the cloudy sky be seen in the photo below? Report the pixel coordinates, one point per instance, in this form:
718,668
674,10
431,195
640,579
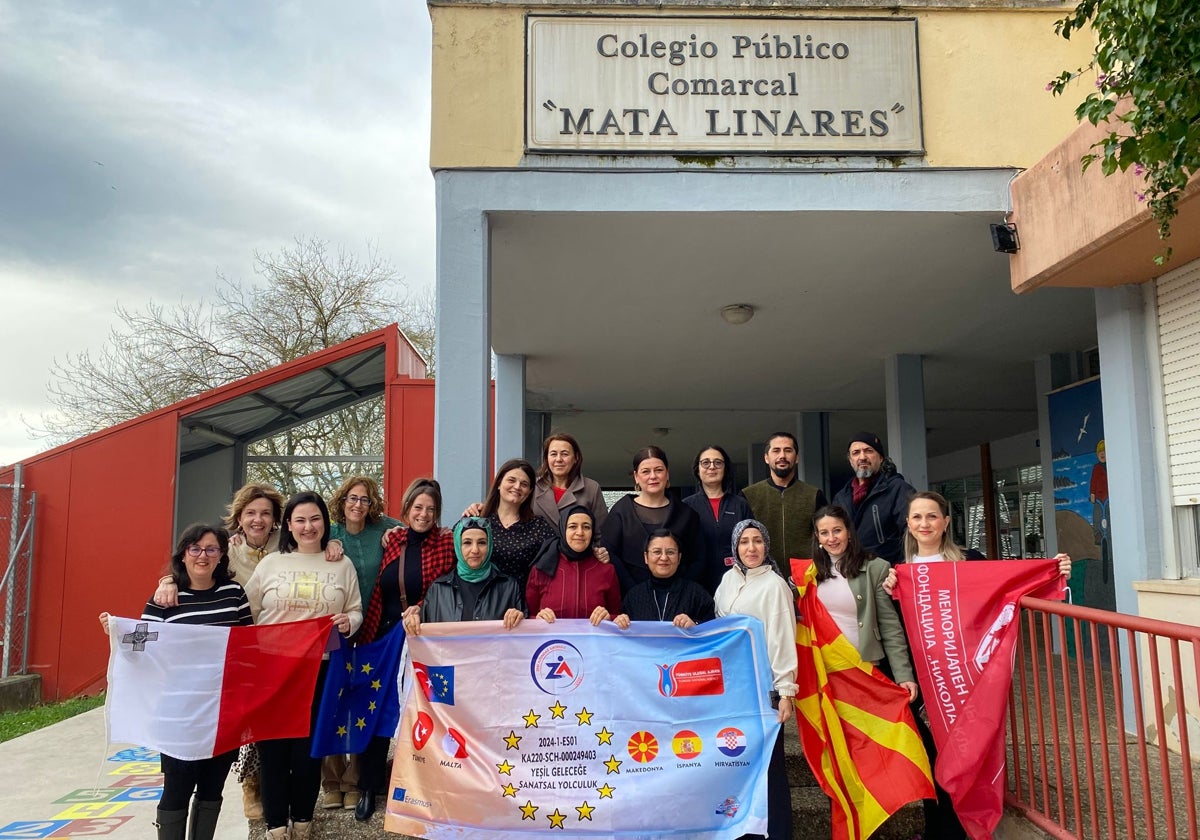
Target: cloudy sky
146,146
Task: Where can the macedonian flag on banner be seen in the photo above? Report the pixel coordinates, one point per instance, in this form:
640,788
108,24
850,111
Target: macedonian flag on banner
855,725
576,730
961,623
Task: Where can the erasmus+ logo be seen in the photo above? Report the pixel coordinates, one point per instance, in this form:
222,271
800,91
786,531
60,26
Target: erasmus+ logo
557,667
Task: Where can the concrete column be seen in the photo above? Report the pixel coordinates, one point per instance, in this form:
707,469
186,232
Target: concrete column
1042,377
1134,473
812,430
460,441
904,379
510,407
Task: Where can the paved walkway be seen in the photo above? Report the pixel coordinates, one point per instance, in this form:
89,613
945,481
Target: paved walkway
67,781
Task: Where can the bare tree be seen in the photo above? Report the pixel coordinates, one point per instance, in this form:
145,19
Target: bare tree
306,299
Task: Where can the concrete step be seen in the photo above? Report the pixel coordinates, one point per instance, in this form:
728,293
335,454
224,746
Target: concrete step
811,810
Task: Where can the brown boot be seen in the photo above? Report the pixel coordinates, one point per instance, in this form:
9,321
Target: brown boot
300,831
252,798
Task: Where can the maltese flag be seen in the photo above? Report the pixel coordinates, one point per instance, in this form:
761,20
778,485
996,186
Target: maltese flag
193,692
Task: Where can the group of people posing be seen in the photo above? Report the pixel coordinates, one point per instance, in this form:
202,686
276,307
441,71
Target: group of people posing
543,545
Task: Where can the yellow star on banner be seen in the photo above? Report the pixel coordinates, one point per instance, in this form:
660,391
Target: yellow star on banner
509,790
512,740
528,810
603,737
556,819
371,706
606,791
584,717
376,684
342,731
366,669
585,811
505,768
531,720
557,709
613,764
349,668
361,724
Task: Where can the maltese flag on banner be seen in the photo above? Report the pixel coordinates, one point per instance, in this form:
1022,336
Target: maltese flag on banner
193,692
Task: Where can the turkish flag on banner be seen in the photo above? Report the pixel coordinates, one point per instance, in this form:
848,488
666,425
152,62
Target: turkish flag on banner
962,626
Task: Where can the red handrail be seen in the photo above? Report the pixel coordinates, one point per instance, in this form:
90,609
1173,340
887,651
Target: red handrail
1074,796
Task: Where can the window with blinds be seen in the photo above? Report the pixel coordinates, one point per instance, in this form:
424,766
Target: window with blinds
1178,298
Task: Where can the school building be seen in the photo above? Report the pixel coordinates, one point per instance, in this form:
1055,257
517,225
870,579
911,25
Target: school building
701,221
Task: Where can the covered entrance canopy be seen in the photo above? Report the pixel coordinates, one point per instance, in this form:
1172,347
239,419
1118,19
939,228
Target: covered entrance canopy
605,291
628,339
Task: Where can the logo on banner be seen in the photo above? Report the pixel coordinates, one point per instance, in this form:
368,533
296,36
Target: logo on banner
731,741
643,747
557,667
421,730
728,807
686,745
691,678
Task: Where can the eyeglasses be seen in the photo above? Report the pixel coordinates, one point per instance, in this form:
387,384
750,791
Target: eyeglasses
663,552
358,500
196,551
711,463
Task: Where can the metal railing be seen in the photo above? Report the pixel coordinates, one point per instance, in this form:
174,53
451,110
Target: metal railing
16,576
1080,763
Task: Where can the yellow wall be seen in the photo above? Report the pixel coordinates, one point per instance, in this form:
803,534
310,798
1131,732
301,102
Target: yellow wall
983,84
1176,601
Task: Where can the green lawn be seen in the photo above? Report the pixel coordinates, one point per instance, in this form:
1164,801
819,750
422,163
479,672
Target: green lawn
13,724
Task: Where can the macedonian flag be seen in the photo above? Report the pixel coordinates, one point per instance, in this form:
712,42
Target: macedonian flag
855,725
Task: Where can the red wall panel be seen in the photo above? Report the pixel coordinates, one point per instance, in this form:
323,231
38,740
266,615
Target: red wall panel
408,446
105,539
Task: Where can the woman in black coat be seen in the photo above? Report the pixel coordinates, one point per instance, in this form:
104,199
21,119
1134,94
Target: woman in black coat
719,506
633,517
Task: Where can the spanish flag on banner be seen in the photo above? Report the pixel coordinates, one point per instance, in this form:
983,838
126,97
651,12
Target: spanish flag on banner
855,726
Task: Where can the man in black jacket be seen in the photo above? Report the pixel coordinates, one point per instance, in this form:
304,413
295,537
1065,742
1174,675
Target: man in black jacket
876,498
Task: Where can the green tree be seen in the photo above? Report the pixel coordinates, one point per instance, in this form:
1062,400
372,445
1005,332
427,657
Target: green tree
306,299
1147,66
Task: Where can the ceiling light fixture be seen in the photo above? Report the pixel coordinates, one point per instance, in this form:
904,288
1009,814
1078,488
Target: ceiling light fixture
737,313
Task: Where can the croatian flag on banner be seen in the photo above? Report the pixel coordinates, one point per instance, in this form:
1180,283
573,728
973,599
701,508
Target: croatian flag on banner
572,730
193,692
962,625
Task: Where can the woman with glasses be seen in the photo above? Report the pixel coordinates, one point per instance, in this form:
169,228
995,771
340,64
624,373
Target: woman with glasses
666,595
359,524
719,506
634,516
294,584
252,520
206,594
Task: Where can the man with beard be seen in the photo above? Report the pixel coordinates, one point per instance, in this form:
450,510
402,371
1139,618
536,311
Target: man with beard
783,502
877,498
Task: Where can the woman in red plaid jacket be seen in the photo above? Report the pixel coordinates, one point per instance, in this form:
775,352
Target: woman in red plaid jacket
413,558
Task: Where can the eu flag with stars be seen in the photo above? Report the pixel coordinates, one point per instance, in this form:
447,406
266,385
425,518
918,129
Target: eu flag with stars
361,699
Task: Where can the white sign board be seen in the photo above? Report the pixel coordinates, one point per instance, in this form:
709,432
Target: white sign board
799,86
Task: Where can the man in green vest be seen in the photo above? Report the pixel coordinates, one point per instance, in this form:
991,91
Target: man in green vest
783,502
